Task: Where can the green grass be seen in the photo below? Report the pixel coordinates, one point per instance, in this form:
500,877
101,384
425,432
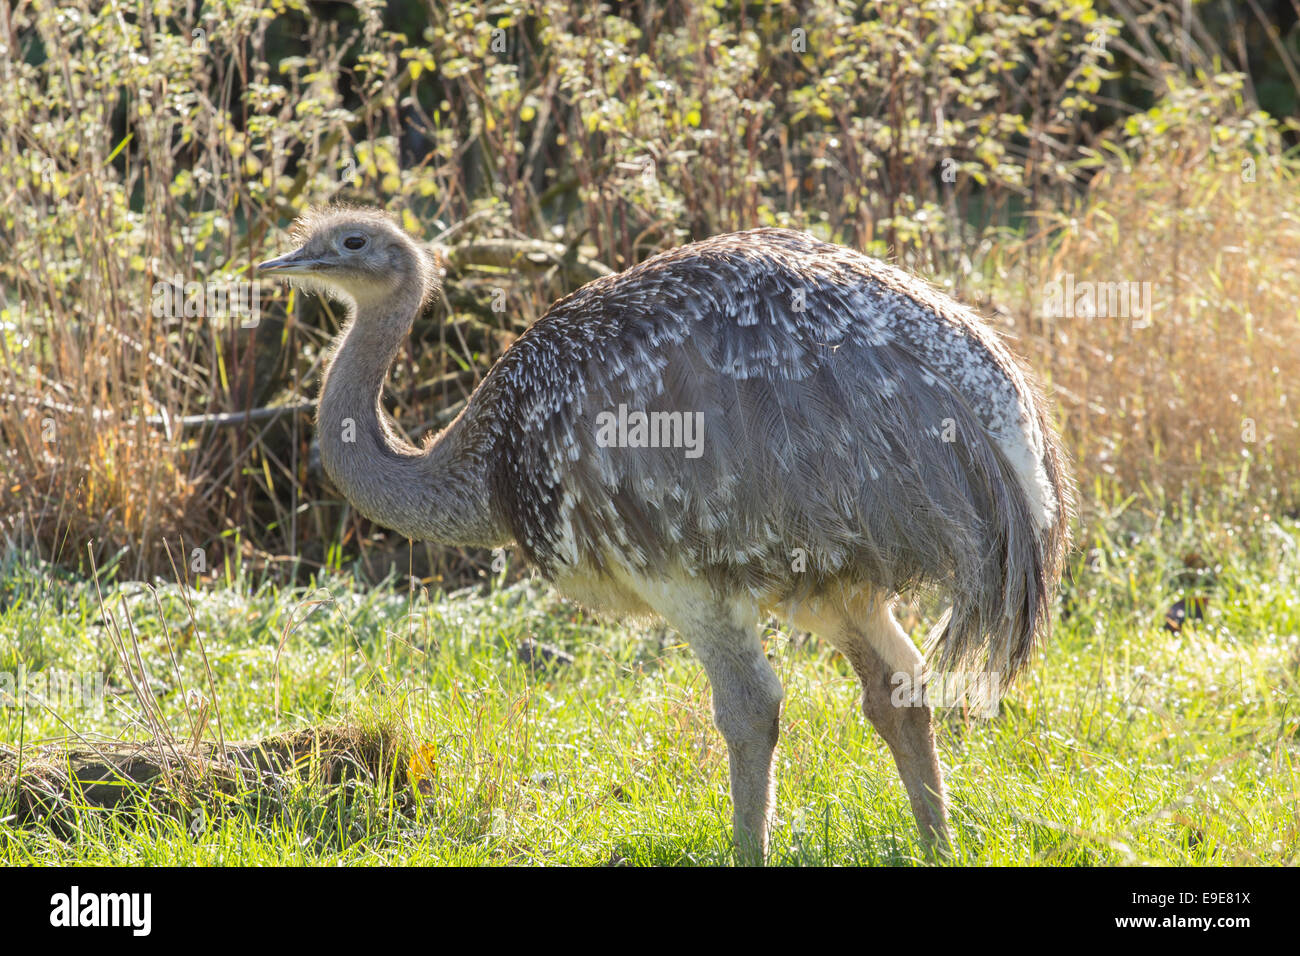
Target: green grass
1126,744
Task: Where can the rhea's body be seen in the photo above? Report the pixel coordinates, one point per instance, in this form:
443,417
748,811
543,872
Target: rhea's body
757,422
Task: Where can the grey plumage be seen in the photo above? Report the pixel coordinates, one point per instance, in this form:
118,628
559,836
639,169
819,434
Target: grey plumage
827,383
834,431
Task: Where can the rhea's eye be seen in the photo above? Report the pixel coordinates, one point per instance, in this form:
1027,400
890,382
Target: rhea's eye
354,242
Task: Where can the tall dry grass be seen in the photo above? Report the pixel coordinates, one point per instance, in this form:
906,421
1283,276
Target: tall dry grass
140,145
1204,390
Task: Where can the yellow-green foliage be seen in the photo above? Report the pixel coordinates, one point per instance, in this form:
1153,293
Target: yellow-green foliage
142,148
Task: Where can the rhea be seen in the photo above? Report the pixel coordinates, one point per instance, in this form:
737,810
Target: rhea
860,435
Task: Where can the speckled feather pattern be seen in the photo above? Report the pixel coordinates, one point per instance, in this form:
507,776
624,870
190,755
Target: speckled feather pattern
859,428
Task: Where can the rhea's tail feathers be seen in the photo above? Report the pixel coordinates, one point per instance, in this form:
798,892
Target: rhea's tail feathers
1003,610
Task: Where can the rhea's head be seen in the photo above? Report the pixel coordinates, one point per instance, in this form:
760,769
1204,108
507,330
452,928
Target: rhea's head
355,254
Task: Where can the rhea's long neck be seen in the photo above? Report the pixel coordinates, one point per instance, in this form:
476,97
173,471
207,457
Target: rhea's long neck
438,494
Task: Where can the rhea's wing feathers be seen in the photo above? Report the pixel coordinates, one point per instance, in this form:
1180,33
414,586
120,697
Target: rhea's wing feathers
855,428
826,438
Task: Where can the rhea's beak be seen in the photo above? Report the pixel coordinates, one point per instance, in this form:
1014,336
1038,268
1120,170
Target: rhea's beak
291,264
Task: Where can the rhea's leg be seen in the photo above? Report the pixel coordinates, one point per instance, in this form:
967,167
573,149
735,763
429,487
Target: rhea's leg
746,708
892,672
